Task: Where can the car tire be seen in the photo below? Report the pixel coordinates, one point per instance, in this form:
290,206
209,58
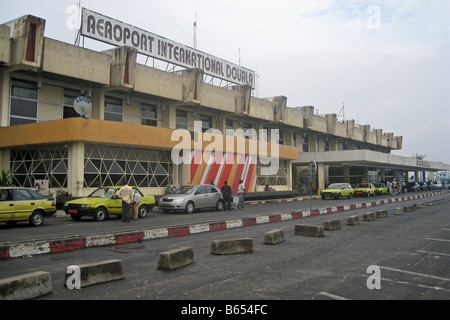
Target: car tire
142,211
190,207
37,219
219,205
350,195
100,214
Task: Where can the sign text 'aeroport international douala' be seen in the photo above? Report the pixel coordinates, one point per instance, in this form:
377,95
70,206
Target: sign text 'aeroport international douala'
114,32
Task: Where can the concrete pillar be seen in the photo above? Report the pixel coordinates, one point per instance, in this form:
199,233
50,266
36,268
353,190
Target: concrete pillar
75,174
98,104
347,174
169,118
4,98
321,176
5,164
289,174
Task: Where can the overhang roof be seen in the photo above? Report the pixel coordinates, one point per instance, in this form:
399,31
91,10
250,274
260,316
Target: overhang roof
368,158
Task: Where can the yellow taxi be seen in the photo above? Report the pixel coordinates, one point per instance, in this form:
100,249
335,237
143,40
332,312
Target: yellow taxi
24,204
337,190
381,188
364,189
103,202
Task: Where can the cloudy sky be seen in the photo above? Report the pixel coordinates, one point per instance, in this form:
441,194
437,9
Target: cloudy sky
387,62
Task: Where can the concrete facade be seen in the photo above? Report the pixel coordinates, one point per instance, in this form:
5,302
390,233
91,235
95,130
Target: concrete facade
135,110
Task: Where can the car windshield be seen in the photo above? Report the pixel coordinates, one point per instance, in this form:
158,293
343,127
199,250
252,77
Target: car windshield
184,190
336,186
102,193
363,185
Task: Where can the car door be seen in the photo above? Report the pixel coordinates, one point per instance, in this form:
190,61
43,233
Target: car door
345,191
6,204
24,203
213,196
200,197
114,202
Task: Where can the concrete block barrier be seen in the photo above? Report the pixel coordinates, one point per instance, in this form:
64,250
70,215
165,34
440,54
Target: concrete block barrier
27,286
353,220
409,208
99,272
309,230
176,258
331,225
369,216
399,211
274,237
382,214
243,245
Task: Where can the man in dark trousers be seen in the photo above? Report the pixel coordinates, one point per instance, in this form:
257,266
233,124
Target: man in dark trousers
227,195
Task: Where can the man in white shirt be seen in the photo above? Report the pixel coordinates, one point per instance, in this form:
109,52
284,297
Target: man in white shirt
241,192
126,193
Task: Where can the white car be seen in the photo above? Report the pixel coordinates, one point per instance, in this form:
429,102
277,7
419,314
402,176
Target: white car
188,198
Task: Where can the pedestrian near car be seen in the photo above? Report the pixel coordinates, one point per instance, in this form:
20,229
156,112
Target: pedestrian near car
227,195
136,201
241,192
126,194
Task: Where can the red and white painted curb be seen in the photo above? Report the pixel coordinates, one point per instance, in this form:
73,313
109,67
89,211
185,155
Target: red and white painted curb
14,250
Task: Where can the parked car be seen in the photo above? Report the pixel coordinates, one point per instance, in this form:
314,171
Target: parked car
337,190
381,188
412,187
367,189
423,186
432,185
24,204
437,185
103,202
188,198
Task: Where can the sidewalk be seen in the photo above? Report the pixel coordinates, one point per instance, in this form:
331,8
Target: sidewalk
20,249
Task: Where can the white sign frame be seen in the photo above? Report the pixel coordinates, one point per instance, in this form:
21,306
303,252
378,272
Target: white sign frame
105,29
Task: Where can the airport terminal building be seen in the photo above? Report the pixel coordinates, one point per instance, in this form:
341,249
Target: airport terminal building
135,108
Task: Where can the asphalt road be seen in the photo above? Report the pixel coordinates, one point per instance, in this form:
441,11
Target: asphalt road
64,226
411,252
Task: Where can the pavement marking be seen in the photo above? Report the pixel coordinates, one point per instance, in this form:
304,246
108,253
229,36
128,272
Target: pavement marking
330,295
415,285
436,253
416,274
434,239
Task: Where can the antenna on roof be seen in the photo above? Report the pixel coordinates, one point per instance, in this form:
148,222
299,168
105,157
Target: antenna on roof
342,113
195,31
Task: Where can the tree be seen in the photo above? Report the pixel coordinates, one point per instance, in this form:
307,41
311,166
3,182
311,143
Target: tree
6,179
418,156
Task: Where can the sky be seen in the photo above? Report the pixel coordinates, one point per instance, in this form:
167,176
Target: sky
386,62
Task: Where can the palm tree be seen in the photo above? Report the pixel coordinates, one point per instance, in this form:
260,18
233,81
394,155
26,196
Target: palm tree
418,156
6,179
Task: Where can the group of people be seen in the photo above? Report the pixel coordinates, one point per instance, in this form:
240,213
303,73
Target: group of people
397,186
130,200
228,195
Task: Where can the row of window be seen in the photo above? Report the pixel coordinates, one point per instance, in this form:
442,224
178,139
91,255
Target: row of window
24,106
24,109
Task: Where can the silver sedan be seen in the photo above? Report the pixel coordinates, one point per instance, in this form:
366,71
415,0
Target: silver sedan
191,197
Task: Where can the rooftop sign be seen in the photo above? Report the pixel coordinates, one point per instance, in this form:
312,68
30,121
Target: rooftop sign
99,27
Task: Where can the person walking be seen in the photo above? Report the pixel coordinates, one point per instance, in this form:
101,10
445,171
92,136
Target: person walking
241,192
126,194
227,195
